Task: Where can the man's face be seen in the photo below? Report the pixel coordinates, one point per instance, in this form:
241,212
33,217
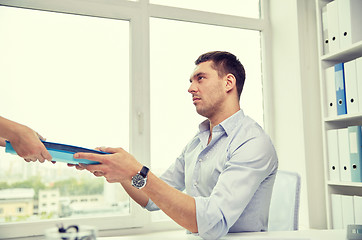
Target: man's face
207,90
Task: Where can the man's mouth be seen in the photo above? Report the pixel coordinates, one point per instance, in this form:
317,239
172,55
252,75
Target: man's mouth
195,99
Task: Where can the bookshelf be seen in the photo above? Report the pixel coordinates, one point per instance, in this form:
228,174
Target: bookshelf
353,51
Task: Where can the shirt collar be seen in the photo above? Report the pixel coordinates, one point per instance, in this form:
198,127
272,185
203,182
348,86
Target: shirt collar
227,125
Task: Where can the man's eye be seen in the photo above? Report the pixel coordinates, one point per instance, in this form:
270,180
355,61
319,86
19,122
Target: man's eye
200,77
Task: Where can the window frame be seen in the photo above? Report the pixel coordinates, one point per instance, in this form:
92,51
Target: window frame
138,13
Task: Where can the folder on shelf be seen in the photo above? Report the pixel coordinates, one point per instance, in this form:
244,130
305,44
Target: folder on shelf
359,81
344,158
357,202
333,26
350,19
340,89
333,159
337,216
347,210
355,150
350,77
331,98
325,30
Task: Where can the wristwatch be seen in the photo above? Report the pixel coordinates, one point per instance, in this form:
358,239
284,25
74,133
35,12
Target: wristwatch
140,179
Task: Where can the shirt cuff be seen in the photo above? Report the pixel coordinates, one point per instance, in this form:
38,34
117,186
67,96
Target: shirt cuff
210,224
151,206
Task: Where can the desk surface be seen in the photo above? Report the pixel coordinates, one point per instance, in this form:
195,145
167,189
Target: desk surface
287,235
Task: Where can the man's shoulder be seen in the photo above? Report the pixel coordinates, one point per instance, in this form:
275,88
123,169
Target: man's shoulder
249,132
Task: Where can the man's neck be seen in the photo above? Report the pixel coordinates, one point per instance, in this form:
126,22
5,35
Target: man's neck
220,118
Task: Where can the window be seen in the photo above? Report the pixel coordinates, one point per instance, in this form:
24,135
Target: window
63,75
175,45
19,210
171,67
245,8
87,74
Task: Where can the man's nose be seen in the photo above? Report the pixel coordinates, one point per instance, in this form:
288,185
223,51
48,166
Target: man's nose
192,88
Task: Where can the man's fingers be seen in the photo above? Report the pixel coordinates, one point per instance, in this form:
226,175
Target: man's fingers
89,156
109,149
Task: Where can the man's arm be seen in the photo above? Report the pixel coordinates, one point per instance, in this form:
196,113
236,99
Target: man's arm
138,196
176,204
121,167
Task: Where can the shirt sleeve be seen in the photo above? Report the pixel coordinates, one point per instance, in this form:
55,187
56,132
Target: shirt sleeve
248,165
174,176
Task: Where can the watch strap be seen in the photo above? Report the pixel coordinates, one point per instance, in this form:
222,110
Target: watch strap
144,171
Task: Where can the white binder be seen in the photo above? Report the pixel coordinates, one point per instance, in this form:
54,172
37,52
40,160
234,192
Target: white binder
344,159
333,160
350,19
347,210
333,26
357,202
350,78
331,99
359,81
325,30
336,205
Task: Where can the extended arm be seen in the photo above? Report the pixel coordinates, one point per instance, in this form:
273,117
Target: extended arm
121,167
24,140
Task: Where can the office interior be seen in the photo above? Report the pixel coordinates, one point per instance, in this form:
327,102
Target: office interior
293,114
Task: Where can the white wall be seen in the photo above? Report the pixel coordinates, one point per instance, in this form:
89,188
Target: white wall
297,115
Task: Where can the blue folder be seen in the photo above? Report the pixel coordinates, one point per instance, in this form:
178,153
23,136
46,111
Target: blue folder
340,89
355,150
62,152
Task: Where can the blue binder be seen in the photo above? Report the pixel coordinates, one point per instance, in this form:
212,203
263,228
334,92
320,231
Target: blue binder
62,152
355,150
340,89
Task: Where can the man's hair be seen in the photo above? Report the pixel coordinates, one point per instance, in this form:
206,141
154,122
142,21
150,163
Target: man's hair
225,63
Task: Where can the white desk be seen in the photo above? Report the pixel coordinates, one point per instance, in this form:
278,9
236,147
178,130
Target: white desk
288,235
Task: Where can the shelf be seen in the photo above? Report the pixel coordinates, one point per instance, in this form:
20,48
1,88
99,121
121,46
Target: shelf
345,55
344,117
345,184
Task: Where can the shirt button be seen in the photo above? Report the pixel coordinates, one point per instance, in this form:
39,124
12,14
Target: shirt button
200,160
195,184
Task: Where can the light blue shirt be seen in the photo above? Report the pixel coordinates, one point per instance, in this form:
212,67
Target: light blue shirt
231,178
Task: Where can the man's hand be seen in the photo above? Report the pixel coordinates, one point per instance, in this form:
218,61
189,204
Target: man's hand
120,166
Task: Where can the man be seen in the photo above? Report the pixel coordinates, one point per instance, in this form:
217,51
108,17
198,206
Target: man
228,168
25,141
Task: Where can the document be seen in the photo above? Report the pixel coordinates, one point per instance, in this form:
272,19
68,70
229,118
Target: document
331,104
344,156
333,155
350,76
333,26
350,19
355,152
340,89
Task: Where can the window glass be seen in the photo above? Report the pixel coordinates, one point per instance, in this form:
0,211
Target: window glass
244,8
67,77
175,45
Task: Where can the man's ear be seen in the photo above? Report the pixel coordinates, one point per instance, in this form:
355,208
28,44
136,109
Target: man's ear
230,82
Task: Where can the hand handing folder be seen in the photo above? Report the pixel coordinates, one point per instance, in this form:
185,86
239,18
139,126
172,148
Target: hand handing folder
62,152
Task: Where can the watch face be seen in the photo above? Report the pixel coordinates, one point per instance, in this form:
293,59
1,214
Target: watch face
138,181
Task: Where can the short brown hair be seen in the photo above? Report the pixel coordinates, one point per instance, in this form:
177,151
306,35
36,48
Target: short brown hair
225,63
